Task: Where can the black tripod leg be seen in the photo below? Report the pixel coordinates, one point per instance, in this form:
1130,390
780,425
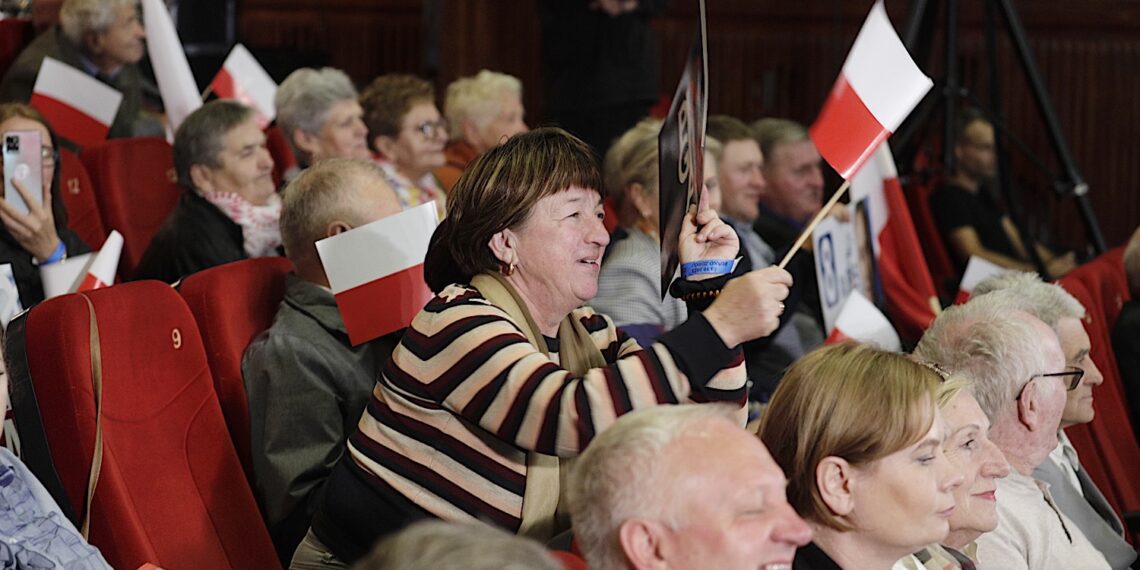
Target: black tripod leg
1078,186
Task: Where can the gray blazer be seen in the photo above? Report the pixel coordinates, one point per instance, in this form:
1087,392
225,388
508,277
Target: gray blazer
1090,512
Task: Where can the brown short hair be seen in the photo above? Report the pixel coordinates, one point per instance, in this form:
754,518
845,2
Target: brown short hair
498,191
850,401
388,98
728,129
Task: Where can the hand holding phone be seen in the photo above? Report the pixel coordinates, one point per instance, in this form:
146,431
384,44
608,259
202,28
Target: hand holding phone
23,162
26,210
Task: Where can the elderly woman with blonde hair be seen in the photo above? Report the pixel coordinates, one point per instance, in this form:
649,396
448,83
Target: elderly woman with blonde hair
629,285
859,436
505,373
482,111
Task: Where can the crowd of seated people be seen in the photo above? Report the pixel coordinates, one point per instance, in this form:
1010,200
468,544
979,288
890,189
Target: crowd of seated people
548,408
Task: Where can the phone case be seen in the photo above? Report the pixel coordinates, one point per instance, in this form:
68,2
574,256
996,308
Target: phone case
23,161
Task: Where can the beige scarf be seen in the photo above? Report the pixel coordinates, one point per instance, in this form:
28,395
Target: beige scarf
543,509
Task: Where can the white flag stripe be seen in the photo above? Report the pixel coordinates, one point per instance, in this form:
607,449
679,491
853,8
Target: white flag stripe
259,86
378,249
861,320
978,270
176,84
107,260
881,71
79,90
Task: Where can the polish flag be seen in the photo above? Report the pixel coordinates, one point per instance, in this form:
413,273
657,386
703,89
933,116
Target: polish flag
861,321
876,90
242,79
101,273
977,270
79,107
376,272
175,82
911,298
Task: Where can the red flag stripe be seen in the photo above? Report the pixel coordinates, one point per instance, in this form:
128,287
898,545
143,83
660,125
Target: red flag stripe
385,305
69,122
846,133
223,84
836,337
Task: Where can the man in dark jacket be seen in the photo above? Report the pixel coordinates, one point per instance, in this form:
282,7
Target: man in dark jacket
307,383
230,207
103,38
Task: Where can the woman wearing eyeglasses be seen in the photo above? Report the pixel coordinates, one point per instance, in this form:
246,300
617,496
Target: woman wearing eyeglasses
408,132
39,237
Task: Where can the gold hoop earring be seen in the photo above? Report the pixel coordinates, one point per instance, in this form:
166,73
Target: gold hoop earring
507,269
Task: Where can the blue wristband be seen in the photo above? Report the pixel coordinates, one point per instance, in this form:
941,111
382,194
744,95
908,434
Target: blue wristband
56,255
707,267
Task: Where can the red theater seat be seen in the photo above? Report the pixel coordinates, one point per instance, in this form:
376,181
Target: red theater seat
282,153
233,303
171,490
78,195
938,258
136,189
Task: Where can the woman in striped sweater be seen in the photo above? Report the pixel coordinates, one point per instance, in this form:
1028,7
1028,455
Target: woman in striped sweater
505,372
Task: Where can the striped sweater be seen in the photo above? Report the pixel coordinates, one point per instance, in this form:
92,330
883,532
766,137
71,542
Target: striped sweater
465,396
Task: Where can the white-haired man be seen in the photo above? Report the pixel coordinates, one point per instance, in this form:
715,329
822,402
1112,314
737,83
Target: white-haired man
1074,492
482,111
103,38
307,383
682,487
1021,385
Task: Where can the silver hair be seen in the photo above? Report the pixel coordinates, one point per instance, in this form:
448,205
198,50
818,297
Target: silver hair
77,18
473,546
618,477
200,139
320,195
990,342
304,99
477,98
1046,301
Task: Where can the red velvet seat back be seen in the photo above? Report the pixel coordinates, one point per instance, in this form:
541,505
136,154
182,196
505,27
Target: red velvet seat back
171,490
78,195
938,258
233,303
1107,445
282,153
136,189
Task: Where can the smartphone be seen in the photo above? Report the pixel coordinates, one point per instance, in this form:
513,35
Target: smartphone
23,161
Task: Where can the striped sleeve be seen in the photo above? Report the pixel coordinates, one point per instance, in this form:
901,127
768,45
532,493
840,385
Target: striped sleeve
470,356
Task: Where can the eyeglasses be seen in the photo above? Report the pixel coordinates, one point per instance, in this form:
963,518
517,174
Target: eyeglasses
1078,374
431,129
48,156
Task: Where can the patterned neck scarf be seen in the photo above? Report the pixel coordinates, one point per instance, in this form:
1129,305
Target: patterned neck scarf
260,231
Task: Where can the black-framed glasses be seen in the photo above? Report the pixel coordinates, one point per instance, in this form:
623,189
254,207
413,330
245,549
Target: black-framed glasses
431,129
1076,373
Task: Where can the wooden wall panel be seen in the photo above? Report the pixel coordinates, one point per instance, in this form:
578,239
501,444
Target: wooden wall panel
780,59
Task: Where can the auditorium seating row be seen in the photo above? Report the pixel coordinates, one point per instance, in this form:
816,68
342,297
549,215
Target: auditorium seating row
149,380
130,185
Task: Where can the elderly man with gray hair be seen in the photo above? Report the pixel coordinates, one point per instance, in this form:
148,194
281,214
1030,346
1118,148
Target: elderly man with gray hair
102,38
1020,381
1073,490
794,172
482,111
307,383
682,487
229,205
318,112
